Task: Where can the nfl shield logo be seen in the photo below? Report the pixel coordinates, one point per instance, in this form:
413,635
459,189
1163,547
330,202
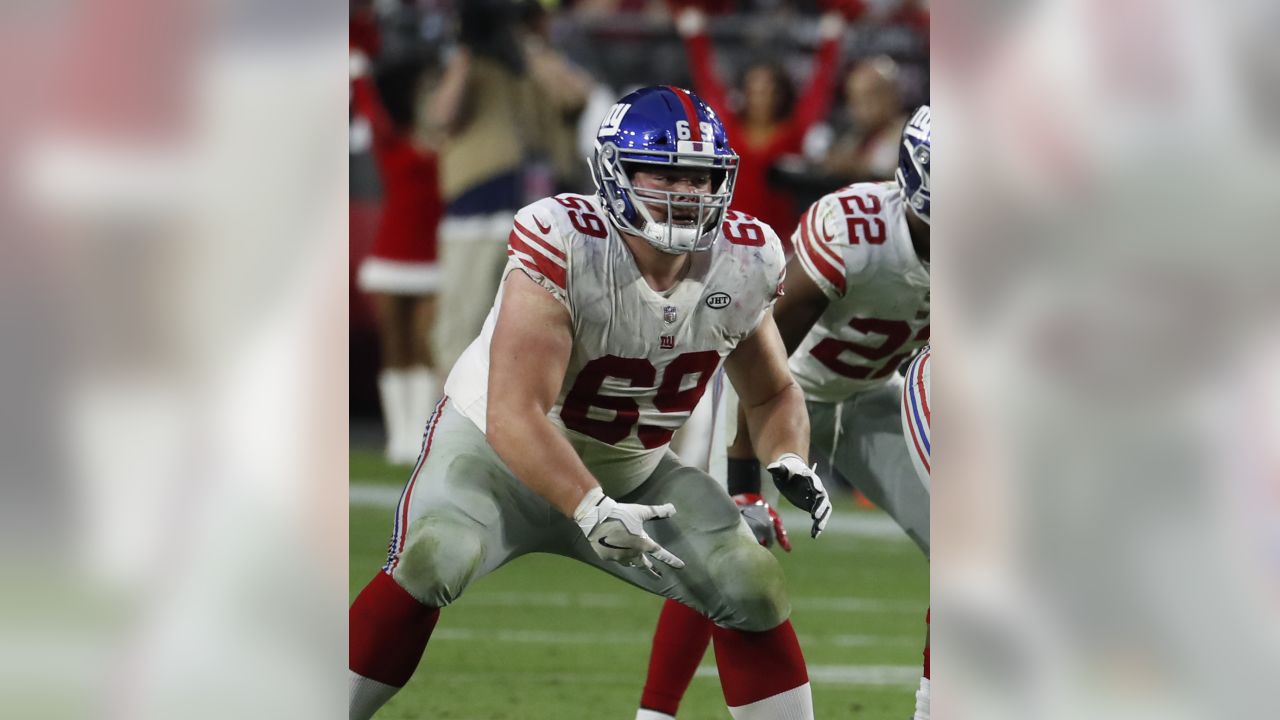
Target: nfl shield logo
669,314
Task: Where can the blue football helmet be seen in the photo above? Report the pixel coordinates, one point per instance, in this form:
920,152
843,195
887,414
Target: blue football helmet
665,126
913,161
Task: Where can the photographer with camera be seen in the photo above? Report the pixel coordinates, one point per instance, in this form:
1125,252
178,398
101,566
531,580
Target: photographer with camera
497,107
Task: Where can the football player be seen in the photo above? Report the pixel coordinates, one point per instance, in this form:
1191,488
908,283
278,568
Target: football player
856,307
614,313
915,430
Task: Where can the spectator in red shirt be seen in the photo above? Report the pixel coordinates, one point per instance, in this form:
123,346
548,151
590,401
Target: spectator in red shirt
772,122
400,273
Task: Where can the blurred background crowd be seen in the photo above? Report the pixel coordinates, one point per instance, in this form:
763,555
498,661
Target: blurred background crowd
463,112
176,415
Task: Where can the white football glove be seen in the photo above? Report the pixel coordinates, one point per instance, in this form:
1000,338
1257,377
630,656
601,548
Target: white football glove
801,486
616,531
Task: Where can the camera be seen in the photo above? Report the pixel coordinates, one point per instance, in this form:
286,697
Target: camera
493,29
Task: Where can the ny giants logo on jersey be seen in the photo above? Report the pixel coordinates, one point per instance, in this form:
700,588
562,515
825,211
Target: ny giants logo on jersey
667,342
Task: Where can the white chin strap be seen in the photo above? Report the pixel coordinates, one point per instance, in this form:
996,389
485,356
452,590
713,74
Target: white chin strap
680,240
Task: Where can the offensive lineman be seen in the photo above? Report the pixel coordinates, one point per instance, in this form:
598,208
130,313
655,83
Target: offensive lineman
856,308
552,434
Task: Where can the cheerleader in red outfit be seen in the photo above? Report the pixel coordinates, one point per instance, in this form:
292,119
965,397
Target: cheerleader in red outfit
772,122
400,272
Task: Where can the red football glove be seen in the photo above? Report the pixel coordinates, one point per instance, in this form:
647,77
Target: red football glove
762,520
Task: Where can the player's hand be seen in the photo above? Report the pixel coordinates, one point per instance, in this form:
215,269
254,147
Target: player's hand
762,519
801,486
690,19
616,530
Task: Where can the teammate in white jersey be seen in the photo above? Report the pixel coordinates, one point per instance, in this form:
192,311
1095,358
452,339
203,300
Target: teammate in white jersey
614,313
915,431
856,308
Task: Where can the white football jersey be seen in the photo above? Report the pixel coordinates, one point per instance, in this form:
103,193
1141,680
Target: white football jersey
855,245
641,359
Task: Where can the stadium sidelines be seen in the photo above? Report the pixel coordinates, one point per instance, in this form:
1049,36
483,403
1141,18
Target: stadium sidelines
861,524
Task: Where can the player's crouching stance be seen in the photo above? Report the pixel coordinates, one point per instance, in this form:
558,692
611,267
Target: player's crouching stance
856,308
552,435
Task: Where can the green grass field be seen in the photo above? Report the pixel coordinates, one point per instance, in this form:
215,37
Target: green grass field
545,638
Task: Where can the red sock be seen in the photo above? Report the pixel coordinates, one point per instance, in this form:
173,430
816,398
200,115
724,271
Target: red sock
388,630
757,665
679,642
926,643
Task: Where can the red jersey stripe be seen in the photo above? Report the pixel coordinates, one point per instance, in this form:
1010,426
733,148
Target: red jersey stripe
541,263
920,451
919,383
821,243
815,257
541,243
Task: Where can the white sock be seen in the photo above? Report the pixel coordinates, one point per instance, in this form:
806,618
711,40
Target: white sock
367,696
643,714
422,392
794,704
393,386
922,700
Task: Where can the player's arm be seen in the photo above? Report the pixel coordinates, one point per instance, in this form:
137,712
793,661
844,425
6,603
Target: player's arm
447,107
531,346
768,396
777,418
799,307
794,314
532,343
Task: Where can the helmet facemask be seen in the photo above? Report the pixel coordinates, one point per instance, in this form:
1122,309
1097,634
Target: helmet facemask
697,216
918,200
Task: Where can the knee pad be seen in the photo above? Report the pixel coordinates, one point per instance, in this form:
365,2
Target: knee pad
752,587
440,559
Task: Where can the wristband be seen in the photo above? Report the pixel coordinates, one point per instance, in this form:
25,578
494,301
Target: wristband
744,476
